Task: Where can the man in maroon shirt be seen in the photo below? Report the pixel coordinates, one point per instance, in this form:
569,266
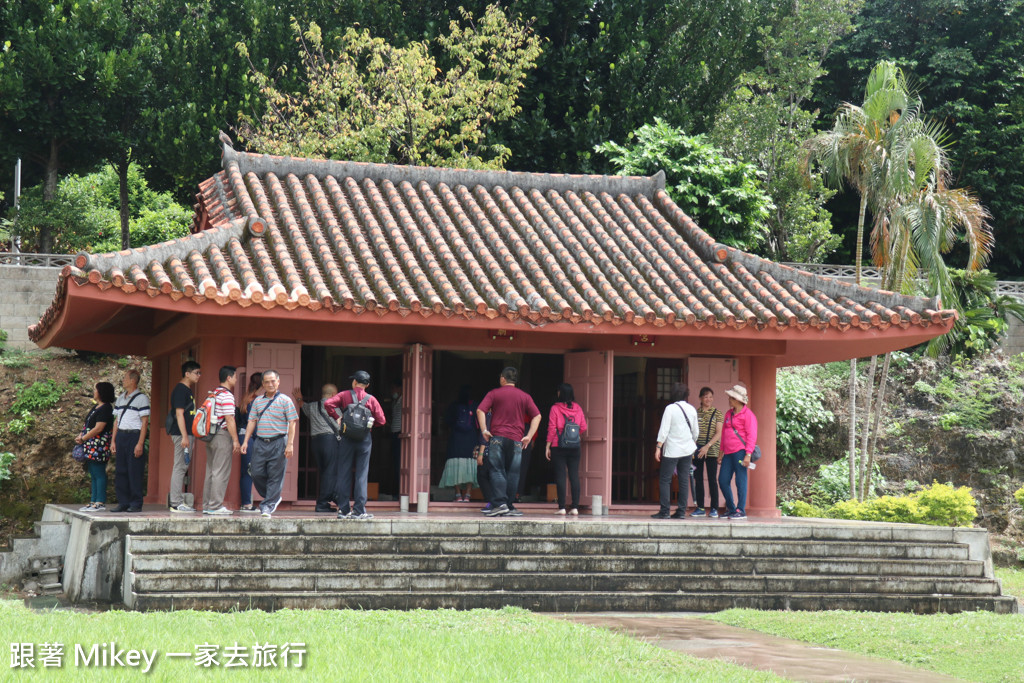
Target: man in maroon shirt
354,451
510,409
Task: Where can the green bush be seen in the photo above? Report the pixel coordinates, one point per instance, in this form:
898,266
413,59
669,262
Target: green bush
5,465
21,424
937,505
1019,495
36,398
798,508
800,413
833,483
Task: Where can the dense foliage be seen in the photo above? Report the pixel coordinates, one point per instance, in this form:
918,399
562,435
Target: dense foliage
800,413
937,505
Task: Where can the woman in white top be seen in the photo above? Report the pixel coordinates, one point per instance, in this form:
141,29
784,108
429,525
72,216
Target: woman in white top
677,441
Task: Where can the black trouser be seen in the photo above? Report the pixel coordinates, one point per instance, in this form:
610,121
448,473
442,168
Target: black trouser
505,456
567,459
711,464
327,450
128,470
483,478
670,466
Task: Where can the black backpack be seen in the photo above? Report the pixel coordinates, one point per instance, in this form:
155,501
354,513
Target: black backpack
570,436
357,419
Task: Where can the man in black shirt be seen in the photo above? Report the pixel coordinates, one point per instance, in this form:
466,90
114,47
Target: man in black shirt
183,409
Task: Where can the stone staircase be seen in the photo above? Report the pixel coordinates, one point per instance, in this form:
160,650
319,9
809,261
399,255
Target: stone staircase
35,563
556,566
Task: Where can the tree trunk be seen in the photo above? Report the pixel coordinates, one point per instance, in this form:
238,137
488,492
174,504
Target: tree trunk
879,405
869,391
49,192
852,457
122,181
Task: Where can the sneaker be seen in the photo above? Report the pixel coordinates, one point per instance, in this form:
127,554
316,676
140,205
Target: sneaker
87,508
345,515
183,508
221,511
699,512
248,507
738,515
497,511
713,514
100,507
561,511
265,513
574,511
486,508
515,512
660,515
364,516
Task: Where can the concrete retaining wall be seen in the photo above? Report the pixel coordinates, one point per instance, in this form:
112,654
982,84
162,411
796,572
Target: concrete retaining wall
25,293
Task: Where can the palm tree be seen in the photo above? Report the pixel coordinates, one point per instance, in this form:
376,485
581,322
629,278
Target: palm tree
858,151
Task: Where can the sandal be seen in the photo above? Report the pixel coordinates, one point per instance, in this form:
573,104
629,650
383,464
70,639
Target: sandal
248,507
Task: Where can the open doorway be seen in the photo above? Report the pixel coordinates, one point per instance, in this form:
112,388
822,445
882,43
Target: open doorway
335,364
641,391
539,376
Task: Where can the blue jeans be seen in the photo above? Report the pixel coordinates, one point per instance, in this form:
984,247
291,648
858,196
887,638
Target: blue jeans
98,474
732,465
353,454
505,457
244,478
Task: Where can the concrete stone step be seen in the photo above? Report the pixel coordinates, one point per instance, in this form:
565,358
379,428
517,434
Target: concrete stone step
341,545
691,564
571,601
560,582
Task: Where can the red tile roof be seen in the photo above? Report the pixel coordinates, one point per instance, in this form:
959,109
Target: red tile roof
549,249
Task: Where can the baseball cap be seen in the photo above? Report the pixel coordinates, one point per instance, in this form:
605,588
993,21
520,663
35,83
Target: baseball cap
362,376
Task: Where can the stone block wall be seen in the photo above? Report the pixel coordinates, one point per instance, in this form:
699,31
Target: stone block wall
1013,343
25,293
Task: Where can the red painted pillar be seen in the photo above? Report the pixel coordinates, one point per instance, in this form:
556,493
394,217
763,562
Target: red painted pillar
761,495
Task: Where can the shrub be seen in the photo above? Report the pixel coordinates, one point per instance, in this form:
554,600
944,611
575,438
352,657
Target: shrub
943,505
36,398
800,414
937,505
798,508
1019,495
5,465
833,483
21,424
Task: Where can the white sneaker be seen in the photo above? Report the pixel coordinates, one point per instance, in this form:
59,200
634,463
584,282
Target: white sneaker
265,513
219,511
561,511
87,508
575,511
183,508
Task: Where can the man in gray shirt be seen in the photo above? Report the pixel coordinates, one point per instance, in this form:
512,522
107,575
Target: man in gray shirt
326,444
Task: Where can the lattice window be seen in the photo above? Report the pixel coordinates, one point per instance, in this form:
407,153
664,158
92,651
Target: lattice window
666,378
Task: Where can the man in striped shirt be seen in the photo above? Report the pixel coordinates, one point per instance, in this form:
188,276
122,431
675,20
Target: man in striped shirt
272,426
222,446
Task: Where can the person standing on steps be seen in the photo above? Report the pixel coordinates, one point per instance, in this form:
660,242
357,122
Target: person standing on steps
739,436
254,389
128,443
510,409
564,445
326,437
271,429
463,437
355,446
183,409
677,441
709,453
223,446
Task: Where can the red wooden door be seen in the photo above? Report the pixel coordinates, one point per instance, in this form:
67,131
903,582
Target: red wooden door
590,373
286,360
418,369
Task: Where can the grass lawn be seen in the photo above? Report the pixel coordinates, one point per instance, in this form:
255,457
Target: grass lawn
1013,581
974,646
444,645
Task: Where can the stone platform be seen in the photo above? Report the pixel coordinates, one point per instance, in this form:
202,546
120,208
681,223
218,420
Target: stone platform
542,562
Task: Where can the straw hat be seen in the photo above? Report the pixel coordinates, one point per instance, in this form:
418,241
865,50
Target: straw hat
738,392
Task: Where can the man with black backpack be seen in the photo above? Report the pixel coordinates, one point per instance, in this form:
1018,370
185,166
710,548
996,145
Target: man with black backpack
360,412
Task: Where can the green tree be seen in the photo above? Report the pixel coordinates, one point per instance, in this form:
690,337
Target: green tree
723,195
764,121
983,316
372,101
50,103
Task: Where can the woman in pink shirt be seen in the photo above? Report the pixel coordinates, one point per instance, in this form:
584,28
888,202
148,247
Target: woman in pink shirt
563,446
739,436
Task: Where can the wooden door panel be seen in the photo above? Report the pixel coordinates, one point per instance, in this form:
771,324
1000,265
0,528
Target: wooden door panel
591,375
719,374
286,359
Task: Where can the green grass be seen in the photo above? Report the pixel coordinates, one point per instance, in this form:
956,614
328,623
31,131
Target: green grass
1013,581
974,646
481,645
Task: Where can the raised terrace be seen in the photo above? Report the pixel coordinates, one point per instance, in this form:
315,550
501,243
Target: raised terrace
540,562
